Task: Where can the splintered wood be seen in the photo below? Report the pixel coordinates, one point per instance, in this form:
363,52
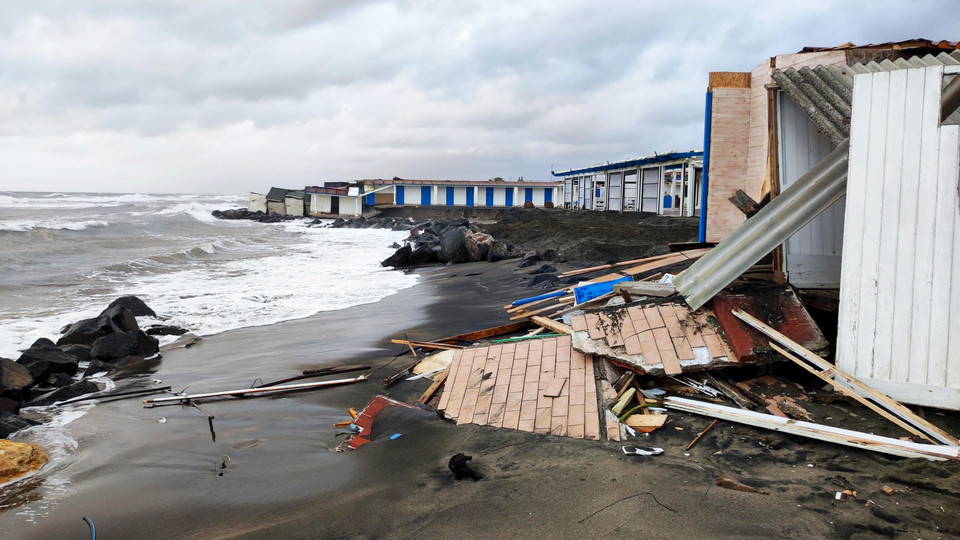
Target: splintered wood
655,337
511,385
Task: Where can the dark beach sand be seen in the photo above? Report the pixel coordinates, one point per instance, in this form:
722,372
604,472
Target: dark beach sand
141,479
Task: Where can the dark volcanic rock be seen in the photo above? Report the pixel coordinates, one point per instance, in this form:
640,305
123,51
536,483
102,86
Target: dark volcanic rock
114,346
76,389
134,304
58,380
424,254
14,377
545,268
453,242
543,281
43,360
400,258
99,366
499,251
9,405
165,330
80,352
11,423
113,320
529,258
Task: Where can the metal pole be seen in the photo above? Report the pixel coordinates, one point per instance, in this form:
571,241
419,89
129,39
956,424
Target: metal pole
246,391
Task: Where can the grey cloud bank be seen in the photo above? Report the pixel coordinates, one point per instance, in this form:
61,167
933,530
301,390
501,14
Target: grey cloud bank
217,96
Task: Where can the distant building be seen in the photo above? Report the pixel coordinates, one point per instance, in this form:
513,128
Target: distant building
334,199
660,184
465,193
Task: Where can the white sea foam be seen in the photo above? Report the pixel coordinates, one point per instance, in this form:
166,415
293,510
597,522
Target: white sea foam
54,224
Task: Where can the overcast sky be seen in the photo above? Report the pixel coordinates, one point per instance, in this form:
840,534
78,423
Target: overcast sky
217,96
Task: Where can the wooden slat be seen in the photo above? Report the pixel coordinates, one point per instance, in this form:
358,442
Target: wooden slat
432,389
851,383
864,441
426,344
551,324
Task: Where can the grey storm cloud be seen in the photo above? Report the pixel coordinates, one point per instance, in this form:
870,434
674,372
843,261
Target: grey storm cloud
221,95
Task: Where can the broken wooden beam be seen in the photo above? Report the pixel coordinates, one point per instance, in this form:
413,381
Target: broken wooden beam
645,288
849,384
486,332
428,394
426,344
846,437
551,324
744,203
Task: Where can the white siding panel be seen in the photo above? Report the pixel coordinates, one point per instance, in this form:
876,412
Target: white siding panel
459,196
499,197
899,323
813,253
411,195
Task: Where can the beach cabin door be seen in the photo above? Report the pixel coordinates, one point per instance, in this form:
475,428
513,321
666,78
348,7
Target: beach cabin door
600,195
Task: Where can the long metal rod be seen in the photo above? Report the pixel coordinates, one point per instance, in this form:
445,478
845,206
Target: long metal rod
247,391
705,176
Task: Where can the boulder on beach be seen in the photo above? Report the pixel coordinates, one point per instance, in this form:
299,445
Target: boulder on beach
43,359
104,366
400,258
80,352
113,320
18,459
11,423
453,243
14,378
114,346
135,305
165,330
77,389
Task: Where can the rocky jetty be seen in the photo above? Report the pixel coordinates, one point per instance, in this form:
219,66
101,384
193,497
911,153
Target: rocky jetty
243,213
48,372
436,241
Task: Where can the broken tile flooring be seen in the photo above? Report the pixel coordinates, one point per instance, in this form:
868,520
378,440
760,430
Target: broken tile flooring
540,385
656,338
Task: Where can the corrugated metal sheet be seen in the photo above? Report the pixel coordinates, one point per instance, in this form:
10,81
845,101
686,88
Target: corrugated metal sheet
899,327
812,193
825,93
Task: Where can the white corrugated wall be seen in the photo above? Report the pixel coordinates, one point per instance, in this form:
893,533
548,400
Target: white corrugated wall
900,285
812,255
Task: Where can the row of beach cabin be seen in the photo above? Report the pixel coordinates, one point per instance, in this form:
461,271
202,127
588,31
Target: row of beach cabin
663,184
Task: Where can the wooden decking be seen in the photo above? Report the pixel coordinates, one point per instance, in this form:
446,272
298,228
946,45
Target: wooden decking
512,385
655,338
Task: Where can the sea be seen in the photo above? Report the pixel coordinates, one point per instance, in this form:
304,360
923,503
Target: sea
65,256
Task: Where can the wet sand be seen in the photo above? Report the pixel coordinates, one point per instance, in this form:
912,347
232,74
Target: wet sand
139,478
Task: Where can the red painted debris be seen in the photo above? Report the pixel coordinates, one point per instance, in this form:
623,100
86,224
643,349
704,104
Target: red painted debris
364,420
778,307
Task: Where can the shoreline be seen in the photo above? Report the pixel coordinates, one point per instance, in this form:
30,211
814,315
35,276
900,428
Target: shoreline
126,456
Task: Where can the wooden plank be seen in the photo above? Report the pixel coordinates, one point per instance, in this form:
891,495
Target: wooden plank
646,420
645,288
432,389
866,441
426,345
486,333
553,387
688,254
552,325
929,430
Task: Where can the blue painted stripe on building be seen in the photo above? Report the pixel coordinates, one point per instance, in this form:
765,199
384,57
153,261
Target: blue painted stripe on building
449,196
704,177
548,195
399,195
371,200
489,196
631,163
470,196
425,194
528,194
509,199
